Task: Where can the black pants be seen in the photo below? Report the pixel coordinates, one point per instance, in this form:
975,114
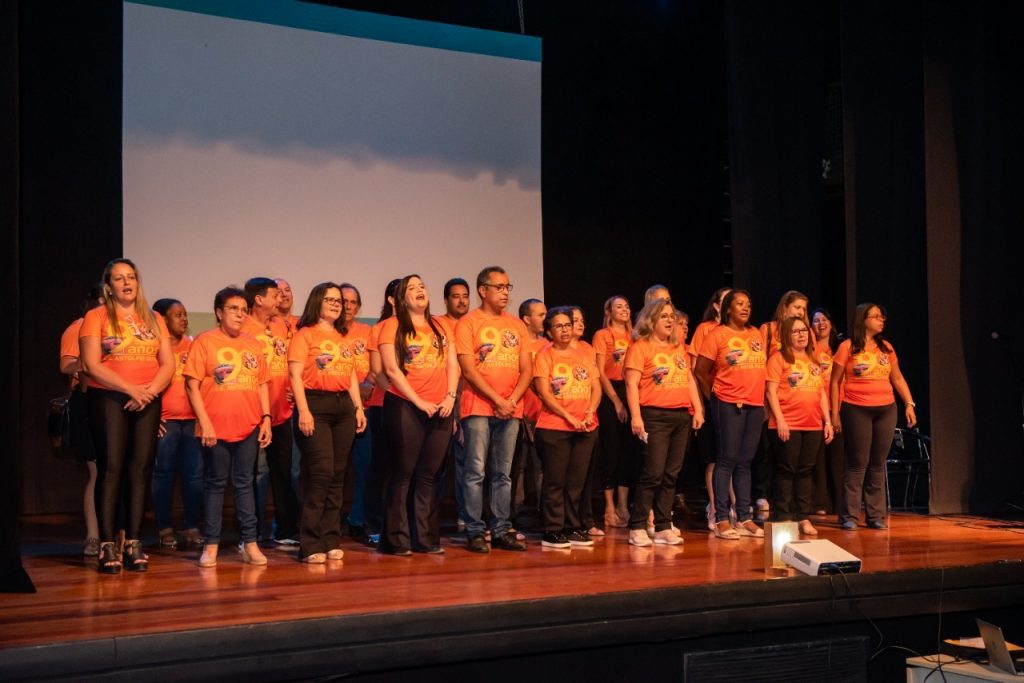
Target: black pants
279,462
418,444
125,443
616,452
867,432
377,473
763,468
668,433
794,465
324,459
565,457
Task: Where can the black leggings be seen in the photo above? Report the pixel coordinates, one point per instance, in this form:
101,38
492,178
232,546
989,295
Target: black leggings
125,444
619,458
418,445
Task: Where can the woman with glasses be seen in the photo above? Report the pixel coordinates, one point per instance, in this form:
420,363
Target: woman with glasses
328,413
797,423
226,378
867,368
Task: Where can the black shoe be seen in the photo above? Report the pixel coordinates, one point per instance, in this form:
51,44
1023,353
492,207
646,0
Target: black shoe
506,541
134,559
356,531
554,539
579,537
397,552
477,544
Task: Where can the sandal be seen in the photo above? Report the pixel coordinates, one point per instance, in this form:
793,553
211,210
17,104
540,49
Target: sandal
807,529
92,547
612,520
108,559
167,539
725,531
749,529
134,559
193,537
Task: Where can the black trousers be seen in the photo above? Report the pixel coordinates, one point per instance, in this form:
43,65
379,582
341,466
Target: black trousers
279,462
125,443
418,445
616,452
565,458
867,432
325,456
668,433
794,466
377,473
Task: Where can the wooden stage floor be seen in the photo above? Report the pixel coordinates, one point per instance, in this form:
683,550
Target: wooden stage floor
423,595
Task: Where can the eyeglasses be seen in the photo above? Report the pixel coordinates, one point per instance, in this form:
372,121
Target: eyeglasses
877,316
801,331
500,288
237,309
562,326
333,300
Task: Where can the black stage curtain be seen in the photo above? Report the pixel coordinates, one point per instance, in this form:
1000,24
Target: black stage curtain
777,113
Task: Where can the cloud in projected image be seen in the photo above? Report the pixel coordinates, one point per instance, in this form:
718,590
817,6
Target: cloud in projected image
315,97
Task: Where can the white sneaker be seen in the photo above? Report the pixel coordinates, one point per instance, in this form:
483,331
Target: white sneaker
666,537
638,537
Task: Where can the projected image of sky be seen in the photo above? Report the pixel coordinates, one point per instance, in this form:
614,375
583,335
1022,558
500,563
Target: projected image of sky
260,149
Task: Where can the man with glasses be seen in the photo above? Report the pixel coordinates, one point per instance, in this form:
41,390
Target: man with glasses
497,369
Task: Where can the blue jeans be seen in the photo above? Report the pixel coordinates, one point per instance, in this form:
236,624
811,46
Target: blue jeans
490,444
178,450
739,432
362,452
237,460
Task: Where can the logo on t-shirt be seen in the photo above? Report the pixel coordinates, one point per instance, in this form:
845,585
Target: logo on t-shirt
580,373
509,339
619,353
324,360
360,347
223,372
110,344
680,361
280,347
250,361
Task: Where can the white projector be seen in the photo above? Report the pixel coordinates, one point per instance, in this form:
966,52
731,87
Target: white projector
818,557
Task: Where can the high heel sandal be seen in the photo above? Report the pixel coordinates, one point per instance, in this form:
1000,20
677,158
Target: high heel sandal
168,539
134,559
612,519
108,560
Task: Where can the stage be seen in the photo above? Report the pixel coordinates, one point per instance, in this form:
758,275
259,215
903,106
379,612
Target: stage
379,615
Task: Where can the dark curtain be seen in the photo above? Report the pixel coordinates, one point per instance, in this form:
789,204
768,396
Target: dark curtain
777,115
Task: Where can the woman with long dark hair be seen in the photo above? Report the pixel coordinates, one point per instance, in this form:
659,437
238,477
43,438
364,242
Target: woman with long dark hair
867,368
226,377
328,413
127,356
831,461
730,370
424,376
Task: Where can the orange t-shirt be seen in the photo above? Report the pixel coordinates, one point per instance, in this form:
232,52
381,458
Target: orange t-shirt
425,367
230,371
69,344
866,380
664,373
739,359
823,354
532,404
770,337
174,405
275,336
325,364
290,322
131,353
569,374
699,334
800,386
495,343
612,343
377,395
356,343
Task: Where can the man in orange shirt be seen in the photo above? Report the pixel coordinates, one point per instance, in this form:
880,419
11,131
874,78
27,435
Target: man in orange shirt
532,312
456,299
456,303
284,304
263,298
497,370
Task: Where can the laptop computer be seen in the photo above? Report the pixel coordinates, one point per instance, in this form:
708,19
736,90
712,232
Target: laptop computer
998,652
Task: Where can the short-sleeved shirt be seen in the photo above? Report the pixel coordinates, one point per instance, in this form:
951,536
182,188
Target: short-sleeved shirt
612,344
495,344
823,354
569,374
664,373
739,364
866,375
699,334
275,336
377,395
130,350
326,364
425,365
770,338
799,391
230,371
69,344
174,404
531,402
357,343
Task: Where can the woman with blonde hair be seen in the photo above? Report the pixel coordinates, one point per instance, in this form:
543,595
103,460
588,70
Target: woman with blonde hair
126,353
615,442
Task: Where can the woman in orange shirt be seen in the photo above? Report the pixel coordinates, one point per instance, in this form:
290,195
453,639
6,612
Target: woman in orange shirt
615,440
177,449
867,367
424,376
566,380
226,378
828,468
731,370
579,326
127,356
798,421
328,413
660,392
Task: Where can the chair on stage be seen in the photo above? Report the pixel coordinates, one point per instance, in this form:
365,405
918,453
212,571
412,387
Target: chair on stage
908,463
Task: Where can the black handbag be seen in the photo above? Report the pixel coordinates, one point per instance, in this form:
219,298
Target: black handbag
58,422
